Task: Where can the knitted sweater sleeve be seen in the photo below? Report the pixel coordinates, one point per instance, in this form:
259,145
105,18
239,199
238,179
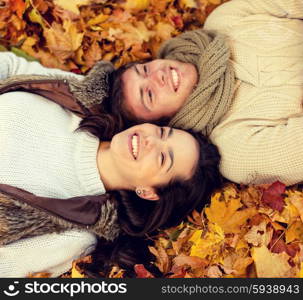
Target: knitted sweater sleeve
230,13
263,154
17,259
13,65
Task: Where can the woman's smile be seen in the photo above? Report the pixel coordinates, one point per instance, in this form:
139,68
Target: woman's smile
134,145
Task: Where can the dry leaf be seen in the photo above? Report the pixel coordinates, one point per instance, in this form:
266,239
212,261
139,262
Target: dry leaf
273,196
71,5
136,4
142,272
259,235
162,261
64,40
294,232
270,264
209,244
296,198
227,213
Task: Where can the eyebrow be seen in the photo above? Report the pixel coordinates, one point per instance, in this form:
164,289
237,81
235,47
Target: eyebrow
171,153
141,91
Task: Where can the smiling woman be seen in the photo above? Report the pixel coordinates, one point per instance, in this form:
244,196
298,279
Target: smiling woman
77,182
157,88
156,153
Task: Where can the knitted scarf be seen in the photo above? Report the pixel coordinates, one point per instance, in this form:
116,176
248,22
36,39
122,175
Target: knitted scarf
212,96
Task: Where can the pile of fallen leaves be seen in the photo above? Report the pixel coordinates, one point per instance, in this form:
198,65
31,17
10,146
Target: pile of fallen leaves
73,35
245,231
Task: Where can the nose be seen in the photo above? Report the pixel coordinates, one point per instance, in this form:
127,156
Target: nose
158,77
150,142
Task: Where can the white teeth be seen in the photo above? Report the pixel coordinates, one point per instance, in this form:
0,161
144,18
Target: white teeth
175,78
135,145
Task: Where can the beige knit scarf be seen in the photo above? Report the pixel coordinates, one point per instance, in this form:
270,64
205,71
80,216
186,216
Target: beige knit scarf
212,96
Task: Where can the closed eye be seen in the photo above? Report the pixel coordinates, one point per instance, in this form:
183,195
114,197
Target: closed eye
162,132
145,69
150,95
162,158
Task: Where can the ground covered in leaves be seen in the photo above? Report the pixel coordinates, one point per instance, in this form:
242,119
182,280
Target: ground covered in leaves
246,231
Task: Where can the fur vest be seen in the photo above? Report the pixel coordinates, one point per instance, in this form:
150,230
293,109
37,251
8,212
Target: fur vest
23,214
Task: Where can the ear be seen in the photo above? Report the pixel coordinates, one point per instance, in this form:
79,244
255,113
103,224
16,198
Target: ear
147,193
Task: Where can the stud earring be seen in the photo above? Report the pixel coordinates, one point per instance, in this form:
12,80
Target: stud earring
138,192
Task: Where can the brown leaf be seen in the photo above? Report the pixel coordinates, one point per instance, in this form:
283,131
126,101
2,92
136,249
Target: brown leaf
191,261
64,40
92,55
162,260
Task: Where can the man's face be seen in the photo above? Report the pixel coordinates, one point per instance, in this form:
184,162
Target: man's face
158,88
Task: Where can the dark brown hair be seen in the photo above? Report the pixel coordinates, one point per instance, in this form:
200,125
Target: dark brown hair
137,217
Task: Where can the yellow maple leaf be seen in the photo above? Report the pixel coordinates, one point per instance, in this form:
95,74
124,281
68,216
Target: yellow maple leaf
270,264
227,213
296,199
209,244
294,232
71,5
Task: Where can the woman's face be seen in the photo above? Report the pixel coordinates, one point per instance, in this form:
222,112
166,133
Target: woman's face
147,155
158,88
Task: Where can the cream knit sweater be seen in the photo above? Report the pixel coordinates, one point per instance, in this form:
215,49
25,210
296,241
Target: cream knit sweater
41,153
261,137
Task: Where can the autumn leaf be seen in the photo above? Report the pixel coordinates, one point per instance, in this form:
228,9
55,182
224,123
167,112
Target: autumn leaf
228,214
162,259
131,34
270,264
116,272
136,4
296,198
71,5
141,272
192,261
258,235
64,40
76,271
17,6
272,196
204,246
294,232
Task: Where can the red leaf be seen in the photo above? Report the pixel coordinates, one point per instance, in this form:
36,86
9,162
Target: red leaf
178,21
142,272
18,6
277,245
272,196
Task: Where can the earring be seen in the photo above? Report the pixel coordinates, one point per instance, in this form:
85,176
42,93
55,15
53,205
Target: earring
138,192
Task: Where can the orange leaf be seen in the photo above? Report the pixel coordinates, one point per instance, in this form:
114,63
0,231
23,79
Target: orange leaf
18,6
